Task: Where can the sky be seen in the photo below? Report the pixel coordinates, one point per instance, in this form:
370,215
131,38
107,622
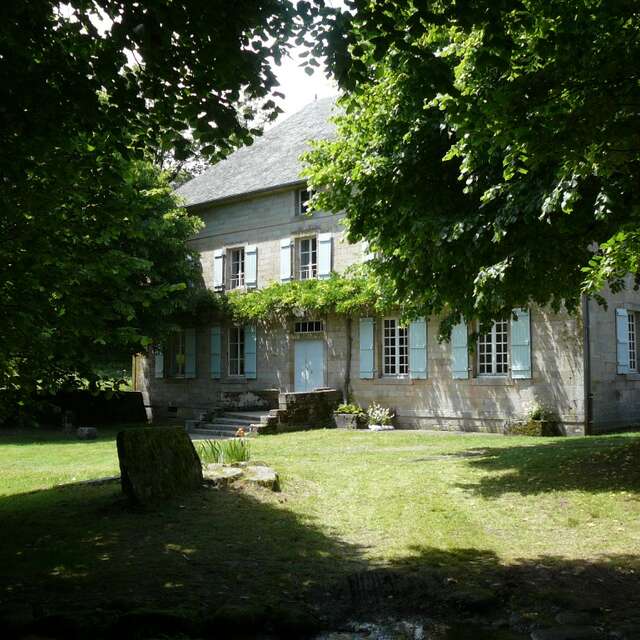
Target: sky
300,88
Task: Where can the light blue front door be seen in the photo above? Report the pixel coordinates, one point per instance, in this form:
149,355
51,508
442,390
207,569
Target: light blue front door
309,365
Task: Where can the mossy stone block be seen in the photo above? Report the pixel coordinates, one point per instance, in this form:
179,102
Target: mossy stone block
157,463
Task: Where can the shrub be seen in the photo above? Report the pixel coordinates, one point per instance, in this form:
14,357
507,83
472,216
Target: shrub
533,427
353,409
223,451
379,415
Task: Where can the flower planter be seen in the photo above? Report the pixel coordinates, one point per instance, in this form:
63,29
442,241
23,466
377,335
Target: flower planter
381,427
350,420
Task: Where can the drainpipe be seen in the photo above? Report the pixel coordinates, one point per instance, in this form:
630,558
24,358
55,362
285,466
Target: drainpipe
347,366
586,351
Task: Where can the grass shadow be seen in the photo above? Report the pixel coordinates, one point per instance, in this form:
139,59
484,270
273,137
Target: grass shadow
595,465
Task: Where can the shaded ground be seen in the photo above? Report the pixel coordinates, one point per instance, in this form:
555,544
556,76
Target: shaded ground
367,524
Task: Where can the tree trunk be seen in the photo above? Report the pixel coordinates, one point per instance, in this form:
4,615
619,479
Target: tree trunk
346,391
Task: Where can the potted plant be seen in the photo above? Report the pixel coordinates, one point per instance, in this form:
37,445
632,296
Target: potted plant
350,416
380,418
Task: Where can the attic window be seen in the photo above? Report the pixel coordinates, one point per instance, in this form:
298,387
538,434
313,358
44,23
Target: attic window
303,199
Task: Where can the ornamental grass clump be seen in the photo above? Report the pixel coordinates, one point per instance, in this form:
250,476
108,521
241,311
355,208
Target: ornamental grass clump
223,451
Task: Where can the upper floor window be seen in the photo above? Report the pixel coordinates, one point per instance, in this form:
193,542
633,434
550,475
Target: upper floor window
304,195
307,258
493,350
395,348
237,268
236,351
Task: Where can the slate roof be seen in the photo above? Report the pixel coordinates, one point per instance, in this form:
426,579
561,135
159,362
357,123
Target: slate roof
273,160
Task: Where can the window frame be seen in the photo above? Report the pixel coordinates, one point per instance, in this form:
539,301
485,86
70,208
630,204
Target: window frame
493,343
400,356
301,203
175,359
238,346
240,276
312,266
307,327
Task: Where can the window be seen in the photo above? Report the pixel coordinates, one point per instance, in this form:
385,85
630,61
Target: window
236,351
308,326
237,268
303,198
493,351
175,358
395,348
633,343
307,258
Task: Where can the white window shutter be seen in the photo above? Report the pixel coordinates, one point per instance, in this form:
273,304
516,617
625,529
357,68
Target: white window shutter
218,269
325,246
521,344
216,352
158,356
366,348
622,339
460,351
418,349
250,370
285,260
251,266
189,353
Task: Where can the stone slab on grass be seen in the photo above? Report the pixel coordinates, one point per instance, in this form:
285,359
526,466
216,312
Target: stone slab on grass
255,474
157,463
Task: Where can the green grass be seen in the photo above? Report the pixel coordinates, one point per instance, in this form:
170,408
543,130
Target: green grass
473,508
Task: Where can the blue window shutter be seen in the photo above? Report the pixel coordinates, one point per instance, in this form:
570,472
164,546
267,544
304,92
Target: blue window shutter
216,350
158,356
218,269
324,255
285,260
460,351
251,266
189,353
622,339
521,344
250,351
418,349
366,348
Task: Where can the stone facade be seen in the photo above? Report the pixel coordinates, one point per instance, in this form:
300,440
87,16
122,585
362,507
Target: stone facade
261,220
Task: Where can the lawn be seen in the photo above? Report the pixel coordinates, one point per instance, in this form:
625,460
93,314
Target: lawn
535,520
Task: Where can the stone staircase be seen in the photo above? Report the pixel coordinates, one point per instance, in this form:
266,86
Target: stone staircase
226,425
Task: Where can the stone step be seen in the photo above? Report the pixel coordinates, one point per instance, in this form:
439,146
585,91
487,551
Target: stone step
252,416
211,433
232,420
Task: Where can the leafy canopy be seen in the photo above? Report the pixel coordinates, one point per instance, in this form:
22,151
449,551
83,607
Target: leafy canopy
489,151
92,249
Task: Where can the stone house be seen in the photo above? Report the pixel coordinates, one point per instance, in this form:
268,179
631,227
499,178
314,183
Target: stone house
585,366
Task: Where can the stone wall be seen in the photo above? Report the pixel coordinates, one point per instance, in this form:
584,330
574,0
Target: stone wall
313,409
616,397
484,404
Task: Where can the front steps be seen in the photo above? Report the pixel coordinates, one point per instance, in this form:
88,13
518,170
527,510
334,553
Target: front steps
226,424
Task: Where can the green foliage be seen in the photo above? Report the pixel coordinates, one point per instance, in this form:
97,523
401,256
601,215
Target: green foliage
356,292
533,427
93,241
352,409
487,149
223,451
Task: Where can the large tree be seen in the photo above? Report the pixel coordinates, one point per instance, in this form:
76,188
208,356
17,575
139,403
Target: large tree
490,151
92,246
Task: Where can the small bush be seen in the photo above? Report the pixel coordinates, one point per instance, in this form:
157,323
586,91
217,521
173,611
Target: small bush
223,451
533,428
352,409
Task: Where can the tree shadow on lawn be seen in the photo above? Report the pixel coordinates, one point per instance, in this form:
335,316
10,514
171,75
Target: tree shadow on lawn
594,465
106,433
236,559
